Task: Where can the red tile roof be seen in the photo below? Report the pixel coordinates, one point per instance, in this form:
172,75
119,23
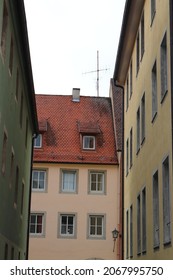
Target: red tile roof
66,121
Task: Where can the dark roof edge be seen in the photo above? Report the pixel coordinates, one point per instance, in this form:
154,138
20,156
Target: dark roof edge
128,4
73,162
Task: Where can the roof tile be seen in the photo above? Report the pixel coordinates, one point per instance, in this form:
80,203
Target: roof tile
67,121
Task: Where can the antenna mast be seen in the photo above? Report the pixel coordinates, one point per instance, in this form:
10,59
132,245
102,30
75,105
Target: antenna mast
98,70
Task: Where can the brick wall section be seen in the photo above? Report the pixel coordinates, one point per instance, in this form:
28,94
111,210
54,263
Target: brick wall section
61,121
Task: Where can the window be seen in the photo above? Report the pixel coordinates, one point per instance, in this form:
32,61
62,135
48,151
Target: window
16,185
154,90
38,141
69,181
11,57
131,79
4,30
166,202
156,238
36,223
131,231
153,10
131,147
164,75
127,157
4,151
89,142
137,54
138,130
144,225
21,110
96,226
127,94
138,224
67,225
39,180
142,36
96,182
127,234
143,118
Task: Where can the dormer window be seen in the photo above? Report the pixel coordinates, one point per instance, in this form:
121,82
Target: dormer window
38,141
88,142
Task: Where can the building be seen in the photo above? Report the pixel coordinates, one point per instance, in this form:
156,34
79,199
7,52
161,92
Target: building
18,124
75,182
144,69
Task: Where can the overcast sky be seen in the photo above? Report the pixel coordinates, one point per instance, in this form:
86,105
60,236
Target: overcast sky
64,37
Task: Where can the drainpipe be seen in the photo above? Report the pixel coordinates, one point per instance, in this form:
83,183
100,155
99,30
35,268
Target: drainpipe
122,166
30,191
171,63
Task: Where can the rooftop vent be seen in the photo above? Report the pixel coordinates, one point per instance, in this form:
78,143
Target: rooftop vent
76,94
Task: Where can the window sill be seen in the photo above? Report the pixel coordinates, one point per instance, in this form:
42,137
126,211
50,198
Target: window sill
167,243
163,97
154,117
143,141
96,237
32,235
67,236
138,151
152,18
156,247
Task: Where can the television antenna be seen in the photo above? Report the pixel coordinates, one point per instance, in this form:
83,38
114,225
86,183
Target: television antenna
97,71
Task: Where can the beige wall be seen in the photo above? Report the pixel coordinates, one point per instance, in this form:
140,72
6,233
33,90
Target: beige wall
158,142
52,202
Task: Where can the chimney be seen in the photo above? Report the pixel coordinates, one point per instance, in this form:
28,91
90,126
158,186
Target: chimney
76,95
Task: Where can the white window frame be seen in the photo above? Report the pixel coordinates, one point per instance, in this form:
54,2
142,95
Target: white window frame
143,118
166,202
97,173
38,180
144,220
139,224
67,233
156,226
131,231
89,137
39,144
65,187
163,66
154,90
36,224
96,226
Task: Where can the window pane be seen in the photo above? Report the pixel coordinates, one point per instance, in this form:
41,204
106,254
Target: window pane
99,230
69,181
67,225
99,221
89,142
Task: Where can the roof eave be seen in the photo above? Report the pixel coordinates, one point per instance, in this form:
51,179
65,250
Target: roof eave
131,18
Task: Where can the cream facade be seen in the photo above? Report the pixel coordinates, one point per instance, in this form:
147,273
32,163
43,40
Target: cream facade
143,68
91,215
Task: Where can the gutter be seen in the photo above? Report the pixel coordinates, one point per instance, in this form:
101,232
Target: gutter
122,189
30,192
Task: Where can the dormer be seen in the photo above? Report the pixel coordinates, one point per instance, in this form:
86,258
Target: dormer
88,135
